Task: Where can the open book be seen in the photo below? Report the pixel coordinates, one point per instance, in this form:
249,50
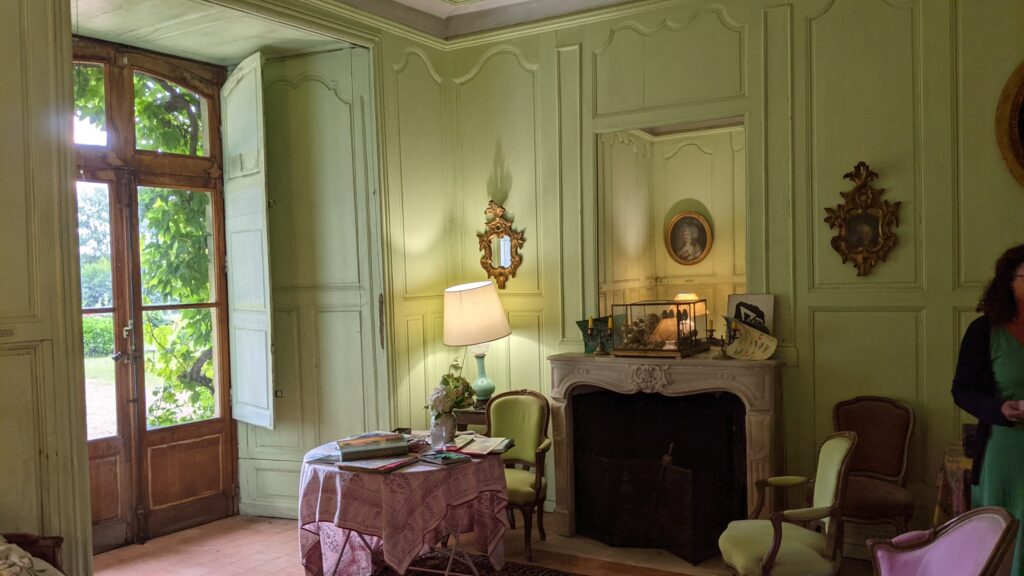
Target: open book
483,445
380,465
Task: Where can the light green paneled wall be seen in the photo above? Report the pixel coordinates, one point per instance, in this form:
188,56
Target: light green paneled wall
907,86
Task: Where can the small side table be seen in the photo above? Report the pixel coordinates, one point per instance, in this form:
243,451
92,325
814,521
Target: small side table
954,485
475,416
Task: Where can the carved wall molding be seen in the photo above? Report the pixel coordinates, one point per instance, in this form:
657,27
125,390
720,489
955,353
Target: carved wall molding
864,221
407,55
305,78
667,24
515,52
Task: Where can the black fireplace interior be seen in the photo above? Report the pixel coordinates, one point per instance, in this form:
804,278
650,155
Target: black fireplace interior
655,471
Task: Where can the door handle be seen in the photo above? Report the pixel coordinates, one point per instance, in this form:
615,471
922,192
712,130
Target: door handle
117,357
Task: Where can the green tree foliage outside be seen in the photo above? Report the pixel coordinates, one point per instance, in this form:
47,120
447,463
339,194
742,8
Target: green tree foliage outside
174,244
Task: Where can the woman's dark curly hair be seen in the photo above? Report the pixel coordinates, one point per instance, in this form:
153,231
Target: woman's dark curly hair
998,302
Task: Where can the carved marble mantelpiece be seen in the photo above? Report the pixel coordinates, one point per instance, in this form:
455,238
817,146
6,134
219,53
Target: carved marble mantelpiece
758,384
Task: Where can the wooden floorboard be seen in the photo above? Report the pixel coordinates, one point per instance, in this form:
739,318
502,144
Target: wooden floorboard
264,546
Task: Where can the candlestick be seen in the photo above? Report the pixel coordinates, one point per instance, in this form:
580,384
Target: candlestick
590,322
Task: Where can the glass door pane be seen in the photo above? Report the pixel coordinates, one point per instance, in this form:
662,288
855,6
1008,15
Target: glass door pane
94,253
90,104
178,326
181,368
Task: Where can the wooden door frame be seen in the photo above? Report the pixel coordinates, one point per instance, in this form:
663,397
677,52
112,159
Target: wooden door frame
127,169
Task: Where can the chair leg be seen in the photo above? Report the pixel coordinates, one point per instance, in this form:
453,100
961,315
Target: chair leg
527,527
511,518
540,521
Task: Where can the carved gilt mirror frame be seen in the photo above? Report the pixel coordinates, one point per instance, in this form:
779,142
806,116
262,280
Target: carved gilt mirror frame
1010,123
500,243
865,222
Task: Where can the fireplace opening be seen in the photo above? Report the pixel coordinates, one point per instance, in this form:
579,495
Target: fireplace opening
655,471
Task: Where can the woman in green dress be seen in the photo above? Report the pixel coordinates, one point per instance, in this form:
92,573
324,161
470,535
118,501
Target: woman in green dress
989,384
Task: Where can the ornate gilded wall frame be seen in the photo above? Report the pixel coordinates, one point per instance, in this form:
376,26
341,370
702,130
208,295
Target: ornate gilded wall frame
864,220
1010,123
500,243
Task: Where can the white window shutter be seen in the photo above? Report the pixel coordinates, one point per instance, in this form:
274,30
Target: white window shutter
245,215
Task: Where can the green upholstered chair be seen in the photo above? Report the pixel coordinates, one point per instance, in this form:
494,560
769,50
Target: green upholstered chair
782,546
523,415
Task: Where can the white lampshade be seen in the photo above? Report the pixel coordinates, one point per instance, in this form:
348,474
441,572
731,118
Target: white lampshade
473,314
700,309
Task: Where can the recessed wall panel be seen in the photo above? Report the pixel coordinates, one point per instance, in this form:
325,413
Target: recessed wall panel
17,240
498,153
420,126
312,181
287,432
863,352
19,449
340,374
526,366
180,462
989,46
865,105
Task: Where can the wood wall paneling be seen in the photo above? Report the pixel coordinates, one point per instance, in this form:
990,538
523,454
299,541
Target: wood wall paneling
339,376
419,242
18,235
987,48
314,193
498,154
286,439
849,124
649,63
571,197
180,459
20,428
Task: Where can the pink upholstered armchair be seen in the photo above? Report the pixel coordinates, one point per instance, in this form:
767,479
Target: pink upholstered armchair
976,543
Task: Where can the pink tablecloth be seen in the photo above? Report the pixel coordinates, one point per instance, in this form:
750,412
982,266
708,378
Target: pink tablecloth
399,515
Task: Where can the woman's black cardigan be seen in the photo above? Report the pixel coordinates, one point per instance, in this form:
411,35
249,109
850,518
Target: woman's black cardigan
974,387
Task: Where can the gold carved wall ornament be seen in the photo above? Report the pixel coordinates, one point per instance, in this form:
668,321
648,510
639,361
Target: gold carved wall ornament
500,243
865,222
1010,123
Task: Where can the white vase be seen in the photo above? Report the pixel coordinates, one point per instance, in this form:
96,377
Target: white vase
442,426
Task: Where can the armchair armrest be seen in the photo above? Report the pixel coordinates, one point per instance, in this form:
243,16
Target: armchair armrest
544,446
806,514
785,481
774,482
538,467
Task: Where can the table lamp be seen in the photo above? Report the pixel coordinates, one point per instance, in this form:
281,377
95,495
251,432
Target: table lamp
473,317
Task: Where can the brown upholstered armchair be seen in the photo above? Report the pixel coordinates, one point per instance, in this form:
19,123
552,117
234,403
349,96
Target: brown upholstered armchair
875,492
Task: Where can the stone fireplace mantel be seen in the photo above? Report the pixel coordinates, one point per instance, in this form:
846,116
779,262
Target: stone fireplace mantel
758,384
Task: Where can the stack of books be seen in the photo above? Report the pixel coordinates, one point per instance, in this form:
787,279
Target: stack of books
372,445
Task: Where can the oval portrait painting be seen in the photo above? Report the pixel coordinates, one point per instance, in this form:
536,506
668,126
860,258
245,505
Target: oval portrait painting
688,238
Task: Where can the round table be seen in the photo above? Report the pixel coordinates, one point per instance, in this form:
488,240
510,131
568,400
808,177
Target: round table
351,521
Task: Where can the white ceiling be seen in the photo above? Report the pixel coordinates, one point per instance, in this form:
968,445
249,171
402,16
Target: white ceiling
191,29
450,18
201,31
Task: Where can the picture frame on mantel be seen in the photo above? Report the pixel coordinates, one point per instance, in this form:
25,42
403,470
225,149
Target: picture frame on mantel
688,238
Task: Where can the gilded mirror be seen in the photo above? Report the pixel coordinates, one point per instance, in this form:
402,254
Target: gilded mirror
500,243
1010,123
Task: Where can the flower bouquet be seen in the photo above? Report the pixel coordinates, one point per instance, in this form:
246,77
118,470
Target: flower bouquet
452,393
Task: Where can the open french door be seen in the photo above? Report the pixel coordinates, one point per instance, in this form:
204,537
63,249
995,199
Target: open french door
150,206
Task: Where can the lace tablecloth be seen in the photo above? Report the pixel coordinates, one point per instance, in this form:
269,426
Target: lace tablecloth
351,521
